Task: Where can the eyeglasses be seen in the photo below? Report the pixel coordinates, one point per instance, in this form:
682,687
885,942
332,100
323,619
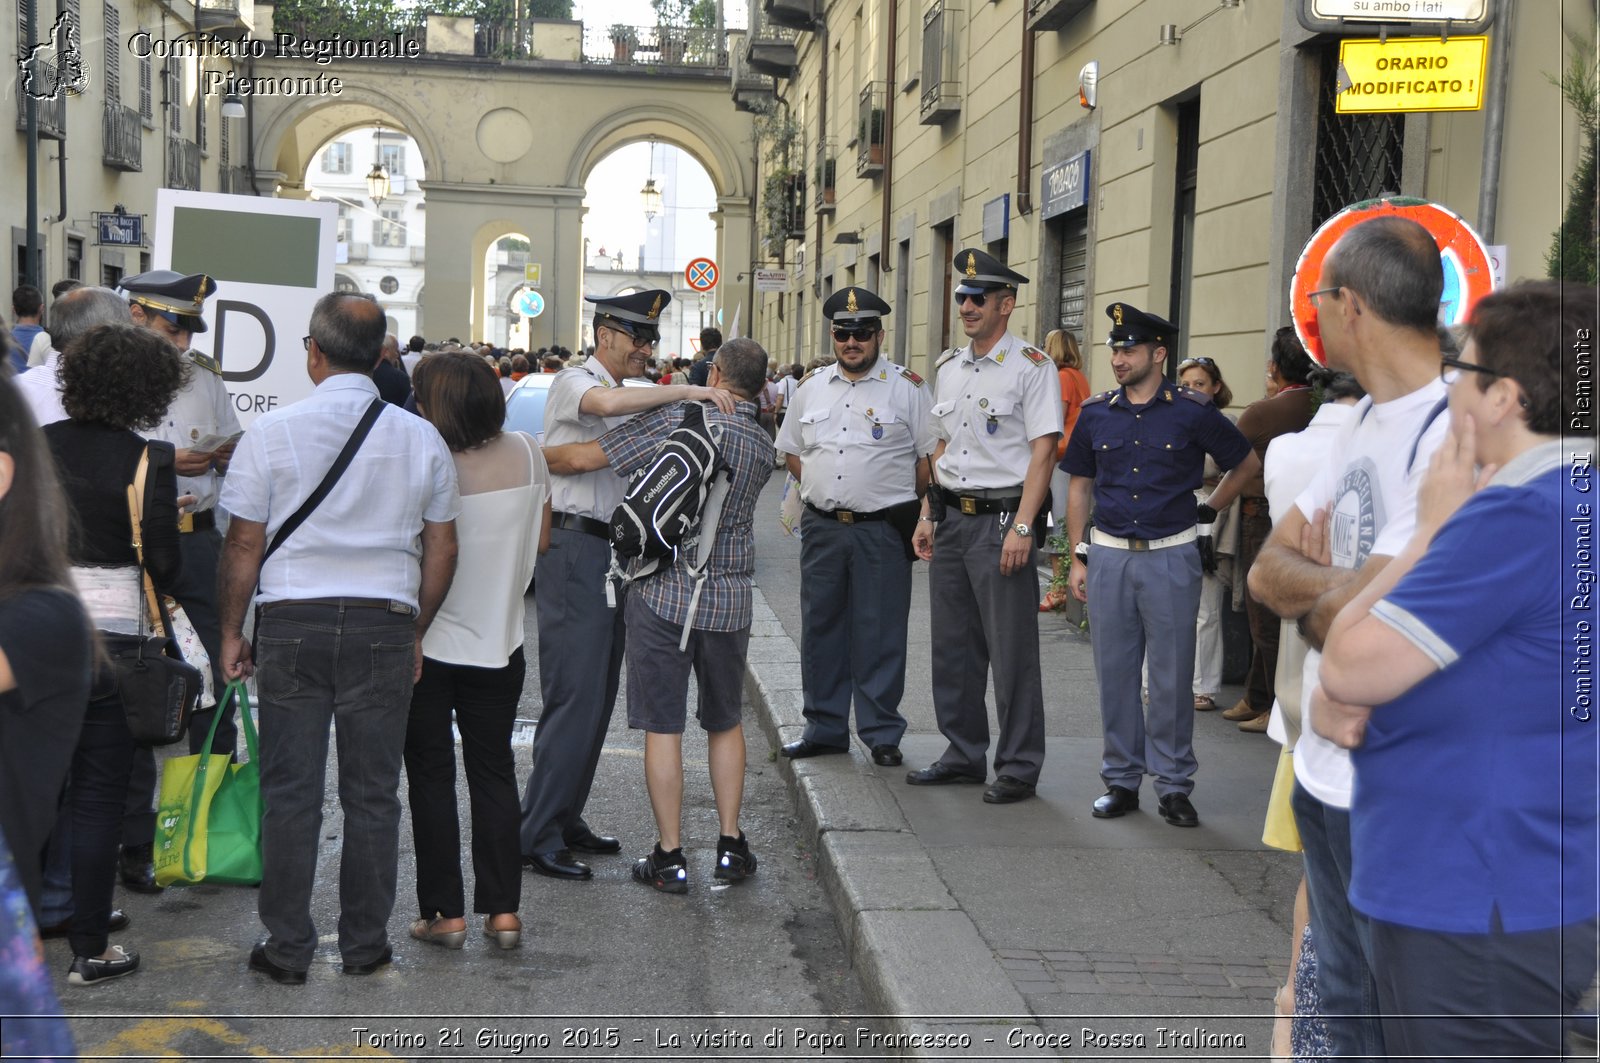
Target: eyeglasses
858,332
635,341
975,300
1312,297
1450,368
305,341
1190,362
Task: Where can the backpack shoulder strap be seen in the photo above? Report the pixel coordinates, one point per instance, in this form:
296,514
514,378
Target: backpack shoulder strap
1427,423
705,545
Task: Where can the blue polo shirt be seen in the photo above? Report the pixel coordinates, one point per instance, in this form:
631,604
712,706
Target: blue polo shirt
1146,461
1476,790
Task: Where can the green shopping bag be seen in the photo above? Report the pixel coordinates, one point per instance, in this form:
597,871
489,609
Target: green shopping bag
208,824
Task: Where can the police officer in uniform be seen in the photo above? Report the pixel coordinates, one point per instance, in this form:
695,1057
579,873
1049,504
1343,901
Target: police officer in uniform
855,438
172,304
580,633
1139,451
996,415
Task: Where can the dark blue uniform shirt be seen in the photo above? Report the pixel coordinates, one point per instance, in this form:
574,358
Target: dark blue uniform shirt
1146,461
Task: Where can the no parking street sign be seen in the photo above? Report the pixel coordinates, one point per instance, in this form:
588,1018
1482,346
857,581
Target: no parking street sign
701,274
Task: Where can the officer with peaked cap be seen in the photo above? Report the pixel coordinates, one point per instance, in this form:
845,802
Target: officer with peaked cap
202,413
996,416
1139,451
580,633
856,438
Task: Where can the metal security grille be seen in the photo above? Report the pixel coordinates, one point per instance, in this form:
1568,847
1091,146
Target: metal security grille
1074,302
1358,155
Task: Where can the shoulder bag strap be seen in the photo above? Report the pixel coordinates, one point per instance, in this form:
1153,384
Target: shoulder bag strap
152,610
340,463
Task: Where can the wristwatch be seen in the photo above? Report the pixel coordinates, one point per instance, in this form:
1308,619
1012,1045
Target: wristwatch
1081,552
1021,529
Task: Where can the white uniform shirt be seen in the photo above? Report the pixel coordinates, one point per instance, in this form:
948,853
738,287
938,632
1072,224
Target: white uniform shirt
365,539
988,409
590,494
858,441
41,387
202,408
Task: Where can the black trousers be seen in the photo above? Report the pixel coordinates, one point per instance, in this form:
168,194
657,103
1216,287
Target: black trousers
1486,996
96,794
483,703
1254,530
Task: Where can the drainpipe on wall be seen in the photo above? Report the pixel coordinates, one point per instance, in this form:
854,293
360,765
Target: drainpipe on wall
822,133
30,268
1025,123
1494,125
890,91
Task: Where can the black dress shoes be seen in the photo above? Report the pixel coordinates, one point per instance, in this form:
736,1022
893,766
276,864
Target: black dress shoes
937,774
558,864
1116,801
583,840
383,959
805,747
137,869
260,961
1177,810
887,756
1007,790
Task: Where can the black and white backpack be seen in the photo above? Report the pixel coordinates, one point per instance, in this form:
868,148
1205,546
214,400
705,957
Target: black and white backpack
672,505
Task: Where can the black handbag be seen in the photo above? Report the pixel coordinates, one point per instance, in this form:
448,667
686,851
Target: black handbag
158,688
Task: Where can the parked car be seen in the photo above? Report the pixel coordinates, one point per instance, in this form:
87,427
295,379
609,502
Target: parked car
525,404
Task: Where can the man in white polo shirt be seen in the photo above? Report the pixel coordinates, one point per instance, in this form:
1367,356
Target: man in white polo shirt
343,607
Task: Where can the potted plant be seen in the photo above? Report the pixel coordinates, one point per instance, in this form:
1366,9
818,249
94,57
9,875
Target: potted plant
623,40
869,139
825,179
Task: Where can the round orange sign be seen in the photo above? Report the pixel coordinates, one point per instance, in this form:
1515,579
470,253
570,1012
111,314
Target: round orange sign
1468,273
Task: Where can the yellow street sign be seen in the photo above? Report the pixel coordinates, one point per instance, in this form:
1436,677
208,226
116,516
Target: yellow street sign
531,271
1411,74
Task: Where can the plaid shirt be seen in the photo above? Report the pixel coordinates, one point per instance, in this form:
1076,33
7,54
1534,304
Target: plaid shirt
725,600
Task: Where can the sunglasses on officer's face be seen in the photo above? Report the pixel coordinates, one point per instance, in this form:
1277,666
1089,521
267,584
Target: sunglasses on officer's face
842,333
976,299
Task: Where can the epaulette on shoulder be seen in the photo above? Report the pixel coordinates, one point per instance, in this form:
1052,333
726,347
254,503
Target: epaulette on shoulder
811,374
206,362
912,378
1035,355
1199,398
945,357
1102,397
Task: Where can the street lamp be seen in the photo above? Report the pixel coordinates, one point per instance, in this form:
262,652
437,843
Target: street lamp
232,106
378,184
650,197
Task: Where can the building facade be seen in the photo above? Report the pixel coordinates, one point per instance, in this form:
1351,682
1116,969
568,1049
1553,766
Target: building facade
901,131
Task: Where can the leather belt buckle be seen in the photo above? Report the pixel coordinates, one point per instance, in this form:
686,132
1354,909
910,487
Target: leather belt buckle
186,522
844,516
969,506
1139,546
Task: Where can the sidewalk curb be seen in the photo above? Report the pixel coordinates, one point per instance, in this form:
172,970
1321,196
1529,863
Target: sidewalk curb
920,957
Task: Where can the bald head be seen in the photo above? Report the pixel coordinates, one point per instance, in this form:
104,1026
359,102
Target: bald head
82,309
349,328
1393,264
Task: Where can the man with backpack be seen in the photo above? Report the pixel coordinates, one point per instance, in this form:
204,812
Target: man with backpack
580,632
695,613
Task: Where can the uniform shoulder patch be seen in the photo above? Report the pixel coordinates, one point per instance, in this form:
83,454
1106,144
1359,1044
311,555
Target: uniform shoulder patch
914,379
811,374
1035,355
1102,397
1197,397
206,362
945,357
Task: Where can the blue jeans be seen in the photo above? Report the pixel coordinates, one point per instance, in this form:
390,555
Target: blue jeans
1343,935
351,666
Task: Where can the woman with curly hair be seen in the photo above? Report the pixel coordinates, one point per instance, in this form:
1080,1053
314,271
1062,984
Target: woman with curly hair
115,381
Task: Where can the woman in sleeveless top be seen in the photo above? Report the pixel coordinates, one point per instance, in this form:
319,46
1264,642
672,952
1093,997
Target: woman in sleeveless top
472,665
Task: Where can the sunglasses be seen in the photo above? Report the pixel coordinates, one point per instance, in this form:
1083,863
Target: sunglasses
633,337
857,332
975,300
1189,362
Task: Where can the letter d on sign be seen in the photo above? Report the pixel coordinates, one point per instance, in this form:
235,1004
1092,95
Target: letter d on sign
227,356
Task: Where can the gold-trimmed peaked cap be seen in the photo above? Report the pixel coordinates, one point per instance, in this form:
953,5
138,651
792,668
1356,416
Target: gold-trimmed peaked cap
977,272
854,306
178,298
637,313
1131,326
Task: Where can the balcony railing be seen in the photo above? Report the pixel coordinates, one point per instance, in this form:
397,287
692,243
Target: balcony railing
121,138
774,49
236,181
52,114
870,131
824,176
183,164
227,14
941,92
751,90
681,46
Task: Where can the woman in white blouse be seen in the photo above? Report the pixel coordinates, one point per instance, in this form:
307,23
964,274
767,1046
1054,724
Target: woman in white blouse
473,667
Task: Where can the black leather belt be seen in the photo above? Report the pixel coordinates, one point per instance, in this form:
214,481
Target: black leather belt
849,516
587,525
988,501
204,520
388,605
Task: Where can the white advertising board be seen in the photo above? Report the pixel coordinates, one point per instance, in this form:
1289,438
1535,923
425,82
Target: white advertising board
271,259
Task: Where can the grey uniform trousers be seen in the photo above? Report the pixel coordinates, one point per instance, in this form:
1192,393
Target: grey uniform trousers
855,598
1144,603
979,617
580,667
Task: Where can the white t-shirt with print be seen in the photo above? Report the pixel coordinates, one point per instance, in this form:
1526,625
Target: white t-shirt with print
1370,486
